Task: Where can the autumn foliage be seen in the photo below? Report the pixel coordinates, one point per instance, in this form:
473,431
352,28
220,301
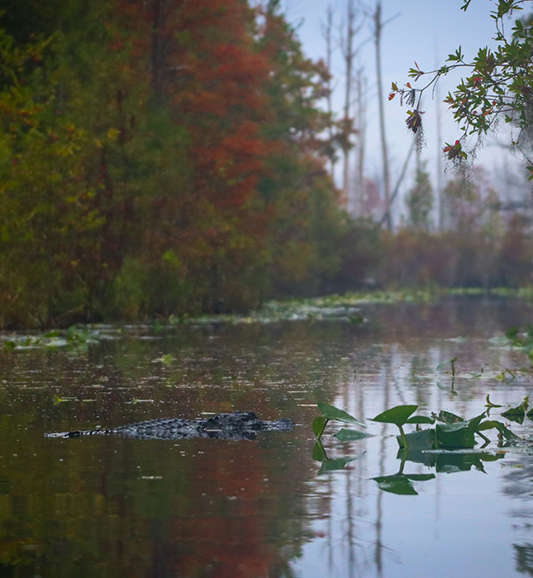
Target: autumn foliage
159,157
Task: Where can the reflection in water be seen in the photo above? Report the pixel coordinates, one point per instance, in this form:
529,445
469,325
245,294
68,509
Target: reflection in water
524,559
101,506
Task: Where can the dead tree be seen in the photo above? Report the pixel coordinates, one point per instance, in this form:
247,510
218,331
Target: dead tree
327,32
349,49
378,28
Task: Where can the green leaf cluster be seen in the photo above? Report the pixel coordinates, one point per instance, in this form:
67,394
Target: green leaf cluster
450,432
497,83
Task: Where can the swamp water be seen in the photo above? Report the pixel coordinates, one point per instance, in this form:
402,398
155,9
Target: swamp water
105,506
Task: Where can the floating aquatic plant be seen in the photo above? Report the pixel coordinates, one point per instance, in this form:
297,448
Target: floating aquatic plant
330,412
450,432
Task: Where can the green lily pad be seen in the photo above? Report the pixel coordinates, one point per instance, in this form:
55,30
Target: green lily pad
350,435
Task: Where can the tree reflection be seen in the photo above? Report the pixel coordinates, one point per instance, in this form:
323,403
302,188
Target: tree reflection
202,508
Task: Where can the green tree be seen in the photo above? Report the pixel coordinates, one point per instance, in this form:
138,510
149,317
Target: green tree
420,200
306,224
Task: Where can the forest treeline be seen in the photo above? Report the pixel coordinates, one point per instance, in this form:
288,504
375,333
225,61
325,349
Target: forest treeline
159,157
169,157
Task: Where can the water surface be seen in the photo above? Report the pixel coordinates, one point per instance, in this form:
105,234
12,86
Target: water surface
109,506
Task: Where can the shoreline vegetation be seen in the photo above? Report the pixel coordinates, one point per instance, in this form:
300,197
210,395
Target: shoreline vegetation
348,307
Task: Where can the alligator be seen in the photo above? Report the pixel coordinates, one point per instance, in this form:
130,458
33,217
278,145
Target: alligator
235,426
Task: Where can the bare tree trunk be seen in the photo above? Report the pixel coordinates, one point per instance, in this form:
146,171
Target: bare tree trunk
378,27
361,88
349,51
440,196
328,37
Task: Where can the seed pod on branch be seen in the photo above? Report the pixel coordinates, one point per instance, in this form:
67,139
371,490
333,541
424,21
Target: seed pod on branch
414,120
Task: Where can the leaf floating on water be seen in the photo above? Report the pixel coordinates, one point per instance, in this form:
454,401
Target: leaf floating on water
9,346
350,435
58,399
166,359
51,334
502,376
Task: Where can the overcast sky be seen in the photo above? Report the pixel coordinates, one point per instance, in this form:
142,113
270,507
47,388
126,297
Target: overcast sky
425,31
